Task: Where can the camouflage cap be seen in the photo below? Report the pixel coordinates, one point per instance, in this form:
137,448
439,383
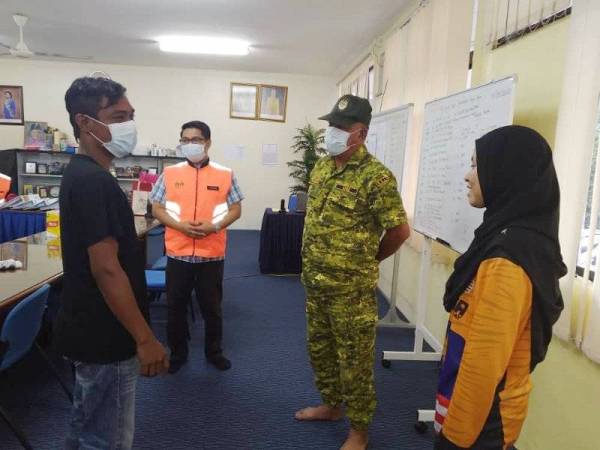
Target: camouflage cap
348,110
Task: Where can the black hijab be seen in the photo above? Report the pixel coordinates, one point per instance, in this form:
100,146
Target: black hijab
520,223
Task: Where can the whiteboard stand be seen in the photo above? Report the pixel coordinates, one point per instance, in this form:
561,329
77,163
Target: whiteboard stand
392,319
422,335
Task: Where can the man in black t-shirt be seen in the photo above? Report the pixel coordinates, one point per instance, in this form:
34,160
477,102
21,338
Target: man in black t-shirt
101,325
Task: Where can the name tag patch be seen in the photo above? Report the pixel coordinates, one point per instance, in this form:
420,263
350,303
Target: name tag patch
347,189
212,188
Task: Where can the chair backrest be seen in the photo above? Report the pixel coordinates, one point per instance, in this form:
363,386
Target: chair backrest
301,202
292,202
22,325
155,245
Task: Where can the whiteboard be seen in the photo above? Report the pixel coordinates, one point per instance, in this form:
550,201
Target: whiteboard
388,138
451,126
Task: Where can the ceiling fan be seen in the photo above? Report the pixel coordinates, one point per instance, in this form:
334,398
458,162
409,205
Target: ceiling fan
22,51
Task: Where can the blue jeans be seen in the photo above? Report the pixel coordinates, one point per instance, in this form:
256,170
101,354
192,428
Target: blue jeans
103,406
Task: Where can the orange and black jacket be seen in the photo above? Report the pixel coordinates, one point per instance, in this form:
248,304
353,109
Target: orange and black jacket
484,383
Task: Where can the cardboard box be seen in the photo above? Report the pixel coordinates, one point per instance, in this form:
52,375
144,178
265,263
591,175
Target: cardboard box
53,224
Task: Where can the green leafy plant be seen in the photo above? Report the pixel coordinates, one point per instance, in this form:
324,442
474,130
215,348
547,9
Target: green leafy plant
309,144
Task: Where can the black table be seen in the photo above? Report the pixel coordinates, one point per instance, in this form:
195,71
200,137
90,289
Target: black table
281,242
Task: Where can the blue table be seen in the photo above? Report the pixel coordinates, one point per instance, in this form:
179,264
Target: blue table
281,242
18,224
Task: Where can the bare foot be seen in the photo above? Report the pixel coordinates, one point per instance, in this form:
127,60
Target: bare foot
357,440
321,412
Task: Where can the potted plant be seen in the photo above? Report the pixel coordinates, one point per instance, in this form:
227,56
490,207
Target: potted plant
309,144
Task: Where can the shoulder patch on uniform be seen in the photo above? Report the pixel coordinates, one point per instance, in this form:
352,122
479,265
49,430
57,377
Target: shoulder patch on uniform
460,309
381,180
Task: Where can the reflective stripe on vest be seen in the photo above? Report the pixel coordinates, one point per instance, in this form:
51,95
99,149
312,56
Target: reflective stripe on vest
196,195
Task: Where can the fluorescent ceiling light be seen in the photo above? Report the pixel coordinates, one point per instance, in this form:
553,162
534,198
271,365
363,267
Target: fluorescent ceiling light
203,45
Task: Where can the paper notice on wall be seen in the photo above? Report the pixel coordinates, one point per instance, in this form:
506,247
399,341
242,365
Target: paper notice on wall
235,152
270,155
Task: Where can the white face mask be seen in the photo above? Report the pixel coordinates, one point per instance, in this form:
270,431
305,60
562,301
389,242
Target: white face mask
336,140
123,138
195,153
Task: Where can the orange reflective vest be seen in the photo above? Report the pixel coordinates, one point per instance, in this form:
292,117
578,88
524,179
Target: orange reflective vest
4,185
196,195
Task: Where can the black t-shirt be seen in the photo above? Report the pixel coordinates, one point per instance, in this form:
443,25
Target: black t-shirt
92,208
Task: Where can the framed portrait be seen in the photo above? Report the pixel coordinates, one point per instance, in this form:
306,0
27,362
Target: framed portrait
243,102
273,103
42,168
54,191
27,189
30,167
42,191
35,135
11,112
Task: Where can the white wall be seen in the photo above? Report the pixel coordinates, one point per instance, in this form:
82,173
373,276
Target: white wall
164,98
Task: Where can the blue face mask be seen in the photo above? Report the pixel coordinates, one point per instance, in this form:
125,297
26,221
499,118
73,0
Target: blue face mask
195,153
123,137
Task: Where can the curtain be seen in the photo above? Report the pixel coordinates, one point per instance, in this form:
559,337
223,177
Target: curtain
575,135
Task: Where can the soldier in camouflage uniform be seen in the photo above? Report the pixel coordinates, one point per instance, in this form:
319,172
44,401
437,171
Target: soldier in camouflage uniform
353,200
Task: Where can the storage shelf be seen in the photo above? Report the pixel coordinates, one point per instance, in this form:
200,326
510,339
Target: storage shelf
42,175
129,157
157,163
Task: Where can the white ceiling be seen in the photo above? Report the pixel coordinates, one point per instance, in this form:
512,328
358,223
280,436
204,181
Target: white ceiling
321,37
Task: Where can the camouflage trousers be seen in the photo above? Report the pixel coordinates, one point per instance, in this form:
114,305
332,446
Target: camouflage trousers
341,346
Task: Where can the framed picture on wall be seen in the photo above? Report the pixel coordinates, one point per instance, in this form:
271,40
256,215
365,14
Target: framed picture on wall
273,103
243,101
11,112
35,135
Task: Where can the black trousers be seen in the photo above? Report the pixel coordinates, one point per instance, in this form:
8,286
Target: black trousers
207,280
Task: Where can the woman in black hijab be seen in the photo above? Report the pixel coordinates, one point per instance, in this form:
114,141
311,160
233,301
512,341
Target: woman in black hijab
503,295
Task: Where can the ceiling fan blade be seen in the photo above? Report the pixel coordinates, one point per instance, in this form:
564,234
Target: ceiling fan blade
5,46
60,55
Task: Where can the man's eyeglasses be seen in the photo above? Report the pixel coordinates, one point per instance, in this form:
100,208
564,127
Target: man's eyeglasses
194,140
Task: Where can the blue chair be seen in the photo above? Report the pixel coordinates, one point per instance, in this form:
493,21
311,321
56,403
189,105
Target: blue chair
155,246
292,203
160,263
156,281
17,337
156,284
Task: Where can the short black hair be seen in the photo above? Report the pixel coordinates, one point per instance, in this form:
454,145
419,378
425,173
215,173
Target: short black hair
86,94
9,93
205,129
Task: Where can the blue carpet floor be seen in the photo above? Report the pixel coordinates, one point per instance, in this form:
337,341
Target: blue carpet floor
251,406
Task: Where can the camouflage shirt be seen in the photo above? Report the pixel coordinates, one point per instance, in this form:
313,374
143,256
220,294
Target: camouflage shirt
348,209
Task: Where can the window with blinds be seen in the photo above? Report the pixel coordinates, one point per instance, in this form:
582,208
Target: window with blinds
588,256
516,18
586,296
